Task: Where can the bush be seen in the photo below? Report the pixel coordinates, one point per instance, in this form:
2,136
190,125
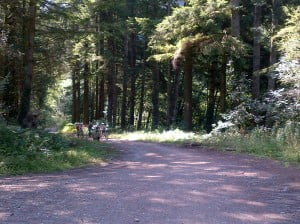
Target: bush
68,128
23,151
281,143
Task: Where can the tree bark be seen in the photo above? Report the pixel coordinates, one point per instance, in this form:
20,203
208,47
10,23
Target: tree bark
188,84
142,96
211,98
256,51
173,87
111,85
12,86
74,95
28,70
86,94
125,86
155,96
78,93
116,93
102,93
223,84
97,97
132,56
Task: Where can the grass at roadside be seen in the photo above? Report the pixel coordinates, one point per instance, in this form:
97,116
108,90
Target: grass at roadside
283,144
172,136
39,152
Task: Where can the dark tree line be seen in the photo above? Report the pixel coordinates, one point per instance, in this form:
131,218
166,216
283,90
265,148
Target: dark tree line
139,64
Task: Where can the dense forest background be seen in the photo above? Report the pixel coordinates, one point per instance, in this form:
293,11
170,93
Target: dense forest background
150,64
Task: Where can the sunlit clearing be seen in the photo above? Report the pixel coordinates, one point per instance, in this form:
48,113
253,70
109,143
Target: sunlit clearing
165,136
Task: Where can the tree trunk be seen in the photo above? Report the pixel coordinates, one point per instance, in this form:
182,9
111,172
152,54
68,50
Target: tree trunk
28,70
111,85
132,56
142,106
173,86
86,94
78,94
235,18
74,95
102,93
256,51
97,97
223,86
11,88
125,85
92,102
273,53
211,98
188,84
116,93
155,96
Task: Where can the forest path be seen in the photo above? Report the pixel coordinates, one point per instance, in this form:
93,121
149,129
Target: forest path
153,183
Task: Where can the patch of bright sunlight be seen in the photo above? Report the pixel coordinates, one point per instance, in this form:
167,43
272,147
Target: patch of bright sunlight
164,136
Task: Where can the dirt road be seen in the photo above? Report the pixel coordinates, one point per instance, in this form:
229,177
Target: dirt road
153,183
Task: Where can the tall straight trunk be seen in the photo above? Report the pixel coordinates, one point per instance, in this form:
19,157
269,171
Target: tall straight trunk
142,96
173,87
86,94
223,84
102,93
155,96
11,90
132,61
97,111
111,85
28,70
169,94
116,93
188,84
141,106
211,98
125,86
273,53
92,102
148,119
235,18
256,51
102,96
78,94
74,95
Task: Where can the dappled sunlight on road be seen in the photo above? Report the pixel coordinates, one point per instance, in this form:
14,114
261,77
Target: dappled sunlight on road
254,217
155,184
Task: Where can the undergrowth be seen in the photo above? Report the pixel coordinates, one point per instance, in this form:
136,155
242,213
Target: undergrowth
171,136
27,151
281,143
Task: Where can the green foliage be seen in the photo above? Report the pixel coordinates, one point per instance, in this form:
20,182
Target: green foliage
27,151
68,128
172,136
289,36
281,143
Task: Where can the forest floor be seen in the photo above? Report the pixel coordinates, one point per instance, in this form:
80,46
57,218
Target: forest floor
155,183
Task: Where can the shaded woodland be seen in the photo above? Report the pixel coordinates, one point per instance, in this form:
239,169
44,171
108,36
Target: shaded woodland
159,64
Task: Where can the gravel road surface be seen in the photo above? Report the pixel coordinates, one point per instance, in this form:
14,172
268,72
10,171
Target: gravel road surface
153,183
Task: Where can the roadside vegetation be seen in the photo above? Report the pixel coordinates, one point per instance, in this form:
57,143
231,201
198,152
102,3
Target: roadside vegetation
227,70
280,144
35,151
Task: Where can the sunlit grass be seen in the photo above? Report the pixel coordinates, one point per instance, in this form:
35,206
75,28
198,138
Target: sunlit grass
170,136
259,144
24,152
281,145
